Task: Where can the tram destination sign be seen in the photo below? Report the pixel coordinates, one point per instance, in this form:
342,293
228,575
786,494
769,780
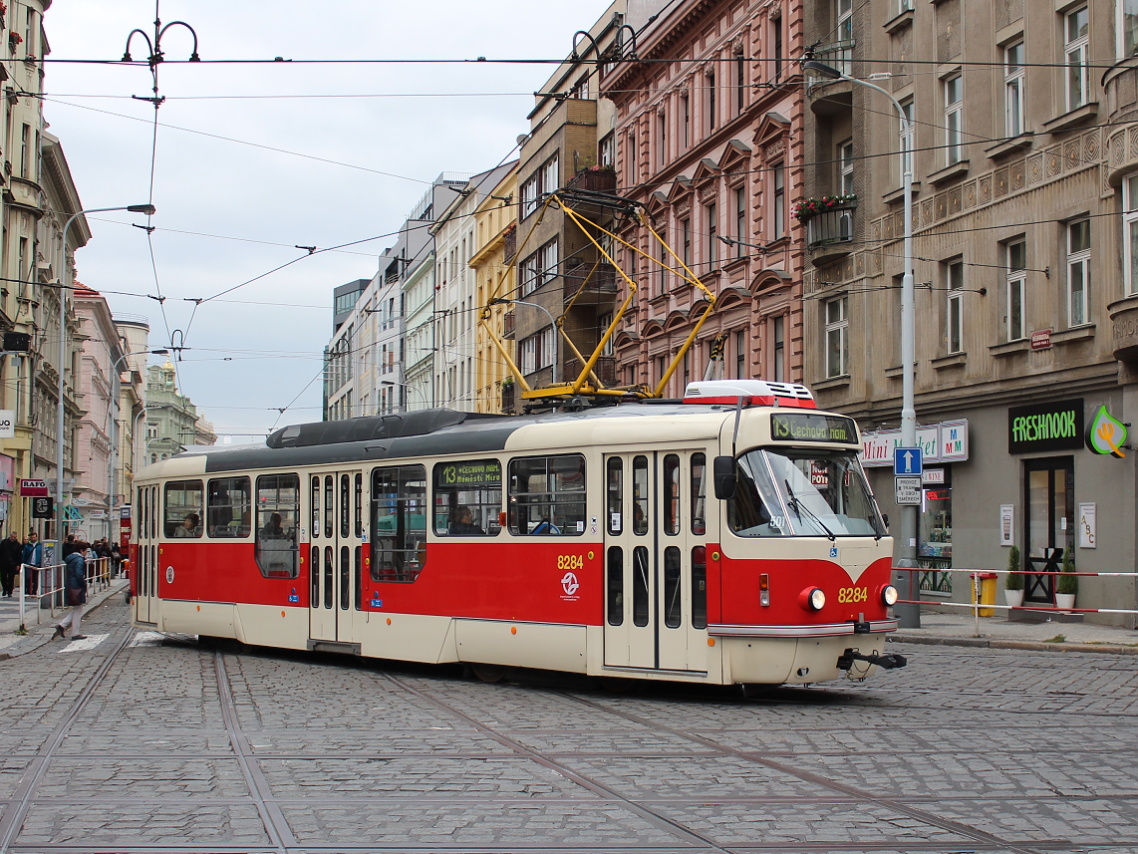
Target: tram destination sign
812,427
486,472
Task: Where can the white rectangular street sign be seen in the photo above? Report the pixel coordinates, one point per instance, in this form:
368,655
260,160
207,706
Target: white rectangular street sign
907,490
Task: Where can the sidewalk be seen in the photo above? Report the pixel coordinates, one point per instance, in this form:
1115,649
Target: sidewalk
12,643
959,628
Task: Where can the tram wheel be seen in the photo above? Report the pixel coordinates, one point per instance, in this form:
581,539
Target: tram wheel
488,672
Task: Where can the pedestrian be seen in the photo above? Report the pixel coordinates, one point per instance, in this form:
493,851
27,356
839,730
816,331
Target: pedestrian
11,553
33,560
116,559
75,586
69,545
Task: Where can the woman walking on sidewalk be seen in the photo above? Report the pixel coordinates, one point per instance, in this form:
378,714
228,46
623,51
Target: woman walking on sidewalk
75,585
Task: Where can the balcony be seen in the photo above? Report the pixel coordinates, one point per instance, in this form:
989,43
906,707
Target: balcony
829,96
594,180
605,369
829,232
510,248
509,321
597,282
508,399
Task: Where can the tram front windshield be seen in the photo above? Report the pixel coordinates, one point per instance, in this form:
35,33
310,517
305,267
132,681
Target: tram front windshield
802,493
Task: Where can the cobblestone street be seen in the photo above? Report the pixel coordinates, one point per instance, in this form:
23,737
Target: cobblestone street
134,742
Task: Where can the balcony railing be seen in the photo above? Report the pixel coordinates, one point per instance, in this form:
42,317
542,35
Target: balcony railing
508,399
598,282
837,55
511,245
831,227
605,369
594,180
509,321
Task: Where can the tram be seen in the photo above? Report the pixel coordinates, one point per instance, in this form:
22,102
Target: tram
726,538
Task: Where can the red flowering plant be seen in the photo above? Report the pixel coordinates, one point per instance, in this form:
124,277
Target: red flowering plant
808,208
14,39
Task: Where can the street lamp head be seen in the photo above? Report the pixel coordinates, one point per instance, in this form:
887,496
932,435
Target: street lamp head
823,69
149,210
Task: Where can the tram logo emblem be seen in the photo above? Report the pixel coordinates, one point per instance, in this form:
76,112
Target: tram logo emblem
569,584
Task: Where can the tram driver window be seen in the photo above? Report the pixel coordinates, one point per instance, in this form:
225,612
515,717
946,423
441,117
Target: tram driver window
278,509
547,495
183,509
398,523
468,498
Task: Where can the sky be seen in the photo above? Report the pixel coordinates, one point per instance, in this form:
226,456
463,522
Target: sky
253,158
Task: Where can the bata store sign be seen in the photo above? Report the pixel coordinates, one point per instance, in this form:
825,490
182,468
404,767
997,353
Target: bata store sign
939,443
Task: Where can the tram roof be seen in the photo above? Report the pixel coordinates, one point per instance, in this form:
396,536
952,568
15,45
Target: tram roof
443,431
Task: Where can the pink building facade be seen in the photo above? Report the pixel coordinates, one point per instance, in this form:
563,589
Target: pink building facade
708,141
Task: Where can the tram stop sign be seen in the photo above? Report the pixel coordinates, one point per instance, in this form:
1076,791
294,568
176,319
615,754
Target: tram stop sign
907,490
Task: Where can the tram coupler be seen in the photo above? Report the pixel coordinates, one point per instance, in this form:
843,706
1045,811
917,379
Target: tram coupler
886,660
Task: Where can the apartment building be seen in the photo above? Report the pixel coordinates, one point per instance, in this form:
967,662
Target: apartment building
708,139
1016,122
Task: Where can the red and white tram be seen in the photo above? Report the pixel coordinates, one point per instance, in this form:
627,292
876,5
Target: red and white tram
730,538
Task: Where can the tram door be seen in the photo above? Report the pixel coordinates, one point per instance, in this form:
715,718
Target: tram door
335,554
655,589
146,566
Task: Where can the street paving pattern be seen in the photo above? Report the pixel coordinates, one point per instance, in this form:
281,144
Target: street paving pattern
135,741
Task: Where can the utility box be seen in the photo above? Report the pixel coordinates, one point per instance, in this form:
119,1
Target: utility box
984,591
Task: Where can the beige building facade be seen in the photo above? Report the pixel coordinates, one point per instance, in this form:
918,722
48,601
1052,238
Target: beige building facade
1024,162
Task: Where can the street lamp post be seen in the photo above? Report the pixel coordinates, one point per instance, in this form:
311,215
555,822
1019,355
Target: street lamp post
552,322
909,614
60,408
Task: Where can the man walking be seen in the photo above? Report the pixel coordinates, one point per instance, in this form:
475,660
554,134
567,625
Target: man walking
75,578
33,560
11,553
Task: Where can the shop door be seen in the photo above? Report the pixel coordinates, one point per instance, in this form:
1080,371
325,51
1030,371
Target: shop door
335,554
1049,498
655,608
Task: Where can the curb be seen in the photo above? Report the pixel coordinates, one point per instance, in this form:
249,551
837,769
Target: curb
1034,646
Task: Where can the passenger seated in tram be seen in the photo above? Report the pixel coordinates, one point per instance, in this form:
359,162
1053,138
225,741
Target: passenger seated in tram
273,529
189,526
462,523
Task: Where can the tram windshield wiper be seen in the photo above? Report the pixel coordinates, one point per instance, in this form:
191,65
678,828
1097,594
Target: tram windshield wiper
799,508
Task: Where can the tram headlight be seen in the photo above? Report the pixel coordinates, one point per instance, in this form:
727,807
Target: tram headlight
889,595
812,599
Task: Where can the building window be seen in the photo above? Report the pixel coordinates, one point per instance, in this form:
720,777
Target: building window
741,354
607,150
1078,272
1017,284
711,101
846,167
538,351
545,180
776,46
954,285
740,81
661,139
1076,29
685,115
740,220
539,269
1130,233
685,242
1013,89
844,29
778,356
953,118
778,180
906,132
1126,26
837,337
712,236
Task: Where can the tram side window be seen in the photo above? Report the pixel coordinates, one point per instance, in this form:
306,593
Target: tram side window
698,494
227,508
547,495
278,509
468,498
183,508
398,523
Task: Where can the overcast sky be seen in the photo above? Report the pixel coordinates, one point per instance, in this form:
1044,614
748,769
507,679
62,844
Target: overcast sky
255,159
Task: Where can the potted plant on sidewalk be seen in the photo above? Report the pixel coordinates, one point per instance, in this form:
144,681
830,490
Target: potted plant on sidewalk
1013,582
1068,584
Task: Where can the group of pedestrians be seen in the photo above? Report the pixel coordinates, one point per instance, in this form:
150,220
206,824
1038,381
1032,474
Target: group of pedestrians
13,554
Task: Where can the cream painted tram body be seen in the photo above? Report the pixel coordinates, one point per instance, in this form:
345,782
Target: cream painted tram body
595,542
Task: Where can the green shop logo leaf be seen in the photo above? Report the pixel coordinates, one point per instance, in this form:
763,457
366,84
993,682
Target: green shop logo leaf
1106,434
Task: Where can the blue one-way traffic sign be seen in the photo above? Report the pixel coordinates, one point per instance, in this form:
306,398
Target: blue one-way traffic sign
907,461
